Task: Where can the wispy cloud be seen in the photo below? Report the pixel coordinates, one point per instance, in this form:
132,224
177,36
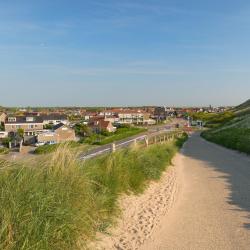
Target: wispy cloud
153,7
107,71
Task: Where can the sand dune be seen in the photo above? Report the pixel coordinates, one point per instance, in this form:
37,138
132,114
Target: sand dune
141,214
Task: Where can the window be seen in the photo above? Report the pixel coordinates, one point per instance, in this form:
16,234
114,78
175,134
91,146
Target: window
30,119
12,119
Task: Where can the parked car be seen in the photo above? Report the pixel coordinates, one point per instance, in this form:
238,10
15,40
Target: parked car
50,143
39,144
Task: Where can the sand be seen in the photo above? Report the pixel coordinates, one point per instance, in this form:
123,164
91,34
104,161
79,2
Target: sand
141,214
202,202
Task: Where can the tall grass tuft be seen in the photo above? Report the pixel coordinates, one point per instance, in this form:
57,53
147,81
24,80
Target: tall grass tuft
60,202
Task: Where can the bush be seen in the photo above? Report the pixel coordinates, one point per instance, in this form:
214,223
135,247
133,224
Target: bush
48,126
6,141
60,202
4,151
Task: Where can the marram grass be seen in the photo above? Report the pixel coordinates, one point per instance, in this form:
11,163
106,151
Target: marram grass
60,202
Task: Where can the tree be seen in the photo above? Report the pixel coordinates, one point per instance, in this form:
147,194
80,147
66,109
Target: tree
19,135
48,126
6,141
82,130
20,132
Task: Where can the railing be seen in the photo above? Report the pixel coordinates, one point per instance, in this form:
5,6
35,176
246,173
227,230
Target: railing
143,140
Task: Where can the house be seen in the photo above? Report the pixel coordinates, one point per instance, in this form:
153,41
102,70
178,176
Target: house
59,133
54,119
133,117
128,116
102,125
111,118
31,125
89,115
3,117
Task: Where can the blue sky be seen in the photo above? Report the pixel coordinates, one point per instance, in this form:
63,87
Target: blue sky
124,52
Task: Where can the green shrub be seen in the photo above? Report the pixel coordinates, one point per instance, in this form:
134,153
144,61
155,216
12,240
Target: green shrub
4,151
6,141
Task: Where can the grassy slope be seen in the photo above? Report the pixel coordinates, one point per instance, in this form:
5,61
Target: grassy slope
235,133
61,203
213,120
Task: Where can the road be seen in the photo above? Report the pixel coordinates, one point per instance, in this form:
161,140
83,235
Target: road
212,205
152,131
122,143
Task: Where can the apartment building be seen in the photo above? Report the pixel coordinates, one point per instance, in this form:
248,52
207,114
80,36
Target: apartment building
128,116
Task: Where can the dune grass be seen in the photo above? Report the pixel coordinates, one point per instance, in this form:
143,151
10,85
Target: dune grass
60,202
234,138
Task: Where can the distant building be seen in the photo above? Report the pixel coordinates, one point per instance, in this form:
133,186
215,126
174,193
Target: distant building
31,125
59,133
160,113
127,116
99,125
54,119
88,115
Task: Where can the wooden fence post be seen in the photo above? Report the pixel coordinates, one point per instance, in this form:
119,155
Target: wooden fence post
113,148
21,145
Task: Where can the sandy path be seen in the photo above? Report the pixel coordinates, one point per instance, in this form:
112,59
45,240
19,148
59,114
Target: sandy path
141,214
203,202
212,208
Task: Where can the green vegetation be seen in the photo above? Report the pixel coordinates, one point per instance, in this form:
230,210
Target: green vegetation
242,109
4,151
1,127
82,130
235,133
45,149
48,126
213,120
20,132
233,138
106,137
60,203
6,141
